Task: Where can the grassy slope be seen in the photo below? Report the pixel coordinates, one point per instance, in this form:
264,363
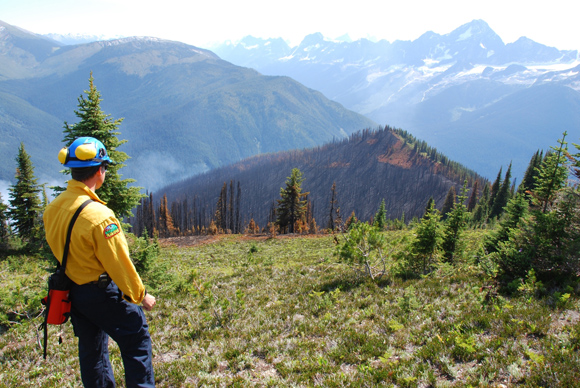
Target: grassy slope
301,319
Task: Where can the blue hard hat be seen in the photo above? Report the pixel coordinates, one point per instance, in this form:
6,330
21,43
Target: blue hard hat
84,152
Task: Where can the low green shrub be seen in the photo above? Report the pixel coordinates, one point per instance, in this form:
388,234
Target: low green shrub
364,248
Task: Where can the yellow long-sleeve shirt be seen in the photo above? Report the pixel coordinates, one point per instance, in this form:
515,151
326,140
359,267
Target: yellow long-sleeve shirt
97,244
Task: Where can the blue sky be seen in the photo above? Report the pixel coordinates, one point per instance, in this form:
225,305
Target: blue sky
205,23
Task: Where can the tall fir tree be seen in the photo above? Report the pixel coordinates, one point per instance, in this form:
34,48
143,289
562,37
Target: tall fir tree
575,165
231,210
292,202
503,195
529,180
45,200
150,219
176,216
95,123
552,175
272,213
481,212
25,205
449,202
185,227
350,220
473,197
380,219
494,188
548,239
430,202
138,226
333,207
427,239
221,211
516,210
238,204
3,224
454,225
166,226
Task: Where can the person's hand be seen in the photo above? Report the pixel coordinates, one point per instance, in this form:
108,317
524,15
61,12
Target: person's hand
148,302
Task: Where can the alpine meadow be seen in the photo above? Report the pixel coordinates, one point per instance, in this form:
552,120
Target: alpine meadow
289,241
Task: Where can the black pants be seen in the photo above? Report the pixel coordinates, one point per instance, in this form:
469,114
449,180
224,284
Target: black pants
98,313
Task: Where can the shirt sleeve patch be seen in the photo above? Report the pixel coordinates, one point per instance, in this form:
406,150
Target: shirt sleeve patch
111,230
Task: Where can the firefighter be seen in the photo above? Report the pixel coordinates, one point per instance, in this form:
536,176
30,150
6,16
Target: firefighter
107,290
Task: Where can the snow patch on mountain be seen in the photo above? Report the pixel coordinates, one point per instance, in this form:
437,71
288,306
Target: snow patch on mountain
466,35
74,39
374,76
554,66
458,111
311,48
434,70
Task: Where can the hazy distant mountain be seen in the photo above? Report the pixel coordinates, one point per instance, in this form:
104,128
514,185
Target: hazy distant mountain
457,91
72,39
185,109
367,168
22,51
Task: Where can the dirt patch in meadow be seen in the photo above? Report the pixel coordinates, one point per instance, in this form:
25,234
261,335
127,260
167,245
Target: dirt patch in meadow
187,241
566,318
192,241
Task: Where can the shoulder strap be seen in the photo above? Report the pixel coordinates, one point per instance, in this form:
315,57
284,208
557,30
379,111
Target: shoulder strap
44,325
68,233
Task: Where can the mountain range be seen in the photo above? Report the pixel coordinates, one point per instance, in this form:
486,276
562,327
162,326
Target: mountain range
185,110
480,101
